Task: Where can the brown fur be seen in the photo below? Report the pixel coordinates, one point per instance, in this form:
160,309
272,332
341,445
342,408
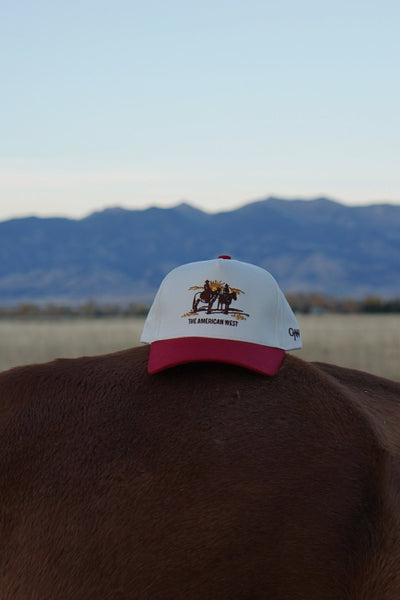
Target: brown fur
204,482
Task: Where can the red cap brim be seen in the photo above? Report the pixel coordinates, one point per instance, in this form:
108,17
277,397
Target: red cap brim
169,353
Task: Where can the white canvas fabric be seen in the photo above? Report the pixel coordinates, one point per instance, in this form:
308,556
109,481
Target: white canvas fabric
219,299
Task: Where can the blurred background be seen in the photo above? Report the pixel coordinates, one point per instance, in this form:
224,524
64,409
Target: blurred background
139,136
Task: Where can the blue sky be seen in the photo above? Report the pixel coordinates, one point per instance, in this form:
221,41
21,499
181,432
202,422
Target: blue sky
214,103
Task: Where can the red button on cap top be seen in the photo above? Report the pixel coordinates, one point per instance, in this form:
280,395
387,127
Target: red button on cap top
224,256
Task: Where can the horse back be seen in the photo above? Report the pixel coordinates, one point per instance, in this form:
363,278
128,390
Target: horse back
204,481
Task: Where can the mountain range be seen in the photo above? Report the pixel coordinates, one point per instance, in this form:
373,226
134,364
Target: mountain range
119,255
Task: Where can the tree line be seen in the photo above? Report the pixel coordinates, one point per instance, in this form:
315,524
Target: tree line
91,308
318,303
302,303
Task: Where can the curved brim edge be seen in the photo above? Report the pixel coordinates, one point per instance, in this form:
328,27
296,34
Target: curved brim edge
169,353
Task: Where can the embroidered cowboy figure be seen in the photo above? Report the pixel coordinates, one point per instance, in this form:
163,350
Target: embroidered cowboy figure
207,291
208,296
225,298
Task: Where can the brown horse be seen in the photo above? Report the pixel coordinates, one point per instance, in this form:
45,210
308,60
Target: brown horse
204,482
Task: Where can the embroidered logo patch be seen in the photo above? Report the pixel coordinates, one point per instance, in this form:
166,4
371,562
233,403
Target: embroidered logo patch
294,333
215,297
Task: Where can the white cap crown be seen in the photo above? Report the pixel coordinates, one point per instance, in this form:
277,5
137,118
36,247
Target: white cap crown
222,299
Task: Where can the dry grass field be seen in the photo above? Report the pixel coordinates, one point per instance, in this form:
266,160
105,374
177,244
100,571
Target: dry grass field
367,342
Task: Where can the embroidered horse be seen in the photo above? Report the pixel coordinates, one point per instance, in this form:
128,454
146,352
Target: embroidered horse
225,299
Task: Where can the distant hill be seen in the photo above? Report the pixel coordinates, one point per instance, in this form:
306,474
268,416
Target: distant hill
122,255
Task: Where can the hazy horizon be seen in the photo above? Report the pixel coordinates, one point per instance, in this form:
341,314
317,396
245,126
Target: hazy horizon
111,207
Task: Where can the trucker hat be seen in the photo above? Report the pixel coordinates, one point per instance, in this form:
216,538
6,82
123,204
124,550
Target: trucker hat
220,310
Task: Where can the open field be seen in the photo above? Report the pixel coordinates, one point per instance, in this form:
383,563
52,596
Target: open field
367,342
